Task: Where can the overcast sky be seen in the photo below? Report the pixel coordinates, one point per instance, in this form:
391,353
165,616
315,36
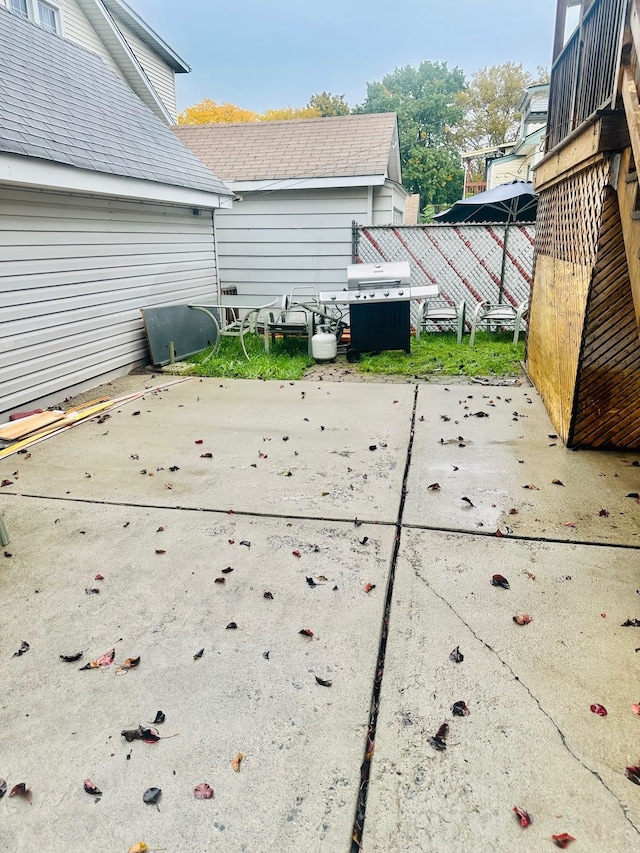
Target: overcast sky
262,54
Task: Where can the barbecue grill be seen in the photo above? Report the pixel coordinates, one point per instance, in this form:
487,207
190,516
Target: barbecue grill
378,296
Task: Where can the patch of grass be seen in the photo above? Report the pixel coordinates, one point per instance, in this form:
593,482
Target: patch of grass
287,359
492,355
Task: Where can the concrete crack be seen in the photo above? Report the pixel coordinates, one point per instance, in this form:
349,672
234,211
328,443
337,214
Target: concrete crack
509,669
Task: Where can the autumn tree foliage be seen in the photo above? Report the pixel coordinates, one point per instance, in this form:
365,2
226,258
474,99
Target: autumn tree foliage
285,113
210,112
329,105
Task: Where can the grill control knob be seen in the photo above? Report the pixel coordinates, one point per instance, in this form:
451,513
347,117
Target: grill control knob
386,293
401,292
371,294
357,294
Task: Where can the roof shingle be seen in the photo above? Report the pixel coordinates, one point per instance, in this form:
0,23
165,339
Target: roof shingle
340,146
60,102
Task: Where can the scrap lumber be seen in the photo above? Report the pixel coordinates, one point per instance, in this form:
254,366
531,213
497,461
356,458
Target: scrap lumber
78,414
24,426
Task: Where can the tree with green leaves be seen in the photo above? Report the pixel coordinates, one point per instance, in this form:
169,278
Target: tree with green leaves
329,105
425,101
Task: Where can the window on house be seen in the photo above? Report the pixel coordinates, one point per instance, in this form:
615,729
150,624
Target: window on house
48,17
19,7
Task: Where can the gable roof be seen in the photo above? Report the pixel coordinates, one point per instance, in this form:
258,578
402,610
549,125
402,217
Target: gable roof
339,147
60,103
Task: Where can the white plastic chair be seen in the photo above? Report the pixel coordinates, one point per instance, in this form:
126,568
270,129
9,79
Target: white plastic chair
295,316
499,316
441,313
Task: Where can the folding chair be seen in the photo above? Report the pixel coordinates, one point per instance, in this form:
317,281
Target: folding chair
441,313
499,316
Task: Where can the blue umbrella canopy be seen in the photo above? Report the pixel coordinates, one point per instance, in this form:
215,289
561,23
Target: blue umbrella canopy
513,202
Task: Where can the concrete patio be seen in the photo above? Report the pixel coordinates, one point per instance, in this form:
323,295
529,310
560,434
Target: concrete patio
303,497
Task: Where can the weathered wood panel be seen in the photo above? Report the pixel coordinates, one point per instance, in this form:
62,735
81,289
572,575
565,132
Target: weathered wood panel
608,383
567,231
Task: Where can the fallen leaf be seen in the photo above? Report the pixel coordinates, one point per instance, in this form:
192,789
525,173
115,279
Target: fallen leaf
198,441
203,791
71,658
635,495
3,788
296,553
160,718
267,594
434,487
231,626
323,683
500,580
438,740
531,486
598,709
636,709
106,660
459,709
236,762
220,580
227,570
141,733
468,500
513,511
557,482
371,447
206,456
130,663
198,655
522,619
523,816
99,577
92,590
456,655
369,586
151,796
569,524
310,581
246,543
6,483
24,648
160,551
306,632
631,623
92,789
140,847
604,513
563,840
499,533
21,790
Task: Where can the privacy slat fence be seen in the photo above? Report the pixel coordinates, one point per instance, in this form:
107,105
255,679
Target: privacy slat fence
466,261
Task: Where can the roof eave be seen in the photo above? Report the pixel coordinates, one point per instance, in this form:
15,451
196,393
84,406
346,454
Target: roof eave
144,31
25,171
104,25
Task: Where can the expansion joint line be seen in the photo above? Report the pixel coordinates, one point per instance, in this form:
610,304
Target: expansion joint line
365,768
522,684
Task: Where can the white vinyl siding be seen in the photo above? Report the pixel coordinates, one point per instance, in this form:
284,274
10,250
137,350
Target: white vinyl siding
74,274
77,28
503,170
388,205
161,76
273,241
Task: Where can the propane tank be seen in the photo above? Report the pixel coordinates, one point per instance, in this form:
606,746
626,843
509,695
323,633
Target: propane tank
324,345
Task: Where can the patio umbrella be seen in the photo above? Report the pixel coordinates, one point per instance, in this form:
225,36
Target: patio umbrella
514,202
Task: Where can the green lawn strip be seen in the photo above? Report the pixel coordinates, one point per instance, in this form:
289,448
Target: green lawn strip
493,355
287,359
439,354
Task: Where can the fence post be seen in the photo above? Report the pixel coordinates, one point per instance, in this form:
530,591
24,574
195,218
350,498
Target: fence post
355,236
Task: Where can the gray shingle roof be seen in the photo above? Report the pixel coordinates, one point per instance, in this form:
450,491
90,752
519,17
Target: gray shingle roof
60,102
341,146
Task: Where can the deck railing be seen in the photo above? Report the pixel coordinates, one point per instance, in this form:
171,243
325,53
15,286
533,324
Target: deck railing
583,77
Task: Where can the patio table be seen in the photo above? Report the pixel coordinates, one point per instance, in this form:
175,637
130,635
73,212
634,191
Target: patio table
244,311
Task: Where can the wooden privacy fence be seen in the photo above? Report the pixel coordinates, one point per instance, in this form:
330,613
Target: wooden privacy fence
471,262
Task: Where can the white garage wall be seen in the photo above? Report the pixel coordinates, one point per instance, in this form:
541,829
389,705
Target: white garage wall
75,272
273,241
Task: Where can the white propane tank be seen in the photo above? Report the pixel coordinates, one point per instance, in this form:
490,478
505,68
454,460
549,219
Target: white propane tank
324,345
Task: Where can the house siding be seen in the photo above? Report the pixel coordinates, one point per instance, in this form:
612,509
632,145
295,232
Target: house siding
75,272
77,28
161,76
273,241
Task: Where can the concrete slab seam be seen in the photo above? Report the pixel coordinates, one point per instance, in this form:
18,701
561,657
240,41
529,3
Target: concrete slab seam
509,669
365,770
238,512
461,531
